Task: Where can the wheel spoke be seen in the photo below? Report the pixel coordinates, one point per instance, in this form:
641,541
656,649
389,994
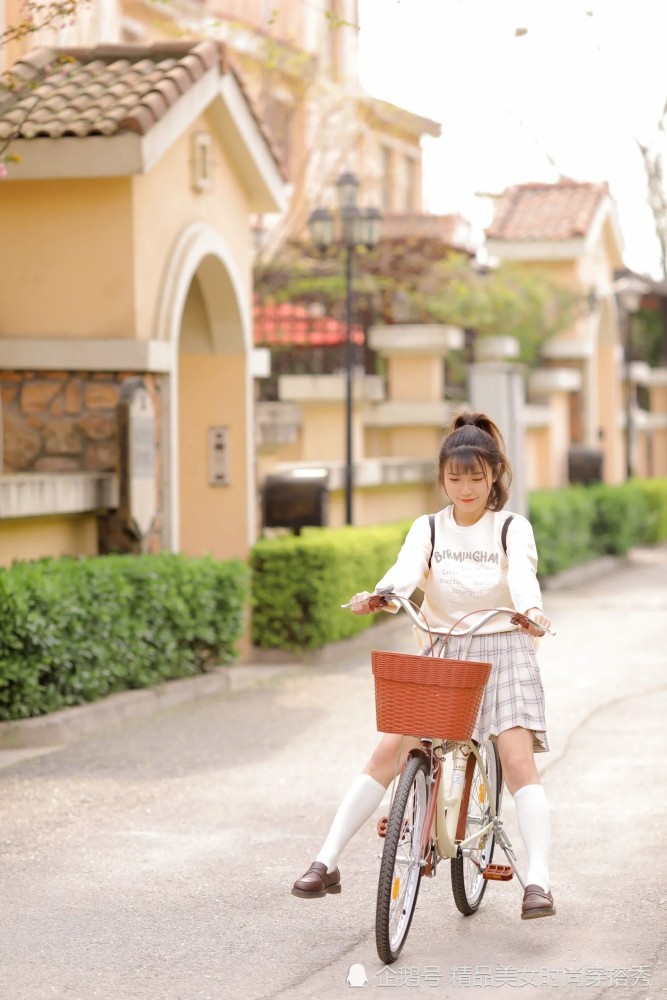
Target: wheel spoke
400,869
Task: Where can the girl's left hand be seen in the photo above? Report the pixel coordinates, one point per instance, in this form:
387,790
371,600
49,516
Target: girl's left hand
539,617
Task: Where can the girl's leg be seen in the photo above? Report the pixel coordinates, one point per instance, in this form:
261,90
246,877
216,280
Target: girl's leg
360,802
364,796
532,809
515,747
532,813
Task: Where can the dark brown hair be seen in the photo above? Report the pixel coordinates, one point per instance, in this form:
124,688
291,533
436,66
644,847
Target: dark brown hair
473,442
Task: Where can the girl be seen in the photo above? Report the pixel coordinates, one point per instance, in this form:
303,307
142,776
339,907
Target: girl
481,557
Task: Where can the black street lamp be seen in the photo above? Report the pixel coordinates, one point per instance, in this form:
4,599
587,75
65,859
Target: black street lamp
359,227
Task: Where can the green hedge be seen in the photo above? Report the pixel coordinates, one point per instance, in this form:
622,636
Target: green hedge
72,631
655,495
580,523
299,583
562,522
621,518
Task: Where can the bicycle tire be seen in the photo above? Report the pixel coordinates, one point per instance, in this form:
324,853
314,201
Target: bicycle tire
400,868
468,885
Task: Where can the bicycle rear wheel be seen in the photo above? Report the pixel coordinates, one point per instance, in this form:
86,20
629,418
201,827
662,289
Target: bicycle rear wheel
468,884
400,868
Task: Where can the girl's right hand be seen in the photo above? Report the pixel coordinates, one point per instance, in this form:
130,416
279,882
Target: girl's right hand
359,603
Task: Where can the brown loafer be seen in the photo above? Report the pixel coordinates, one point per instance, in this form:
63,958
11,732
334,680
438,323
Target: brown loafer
317,882
536,903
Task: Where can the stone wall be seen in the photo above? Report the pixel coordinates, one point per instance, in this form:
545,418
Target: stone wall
55,421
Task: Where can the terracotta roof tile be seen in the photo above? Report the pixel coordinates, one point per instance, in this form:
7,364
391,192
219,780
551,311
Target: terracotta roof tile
546,212
180,77
102,90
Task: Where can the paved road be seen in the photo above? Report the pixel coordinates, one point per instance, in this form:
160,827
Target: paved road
155,861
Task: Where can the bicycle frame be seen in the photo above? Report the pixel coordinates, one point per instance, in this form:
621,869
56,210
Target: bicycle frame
442,818
448,808
443,833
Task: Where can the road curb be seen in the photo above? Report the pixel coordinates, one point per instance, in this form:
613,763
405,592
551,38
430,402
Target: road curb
69,725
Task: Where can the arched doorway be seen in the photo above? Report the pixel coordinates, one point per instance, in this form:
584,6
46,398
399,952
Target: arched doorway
209,478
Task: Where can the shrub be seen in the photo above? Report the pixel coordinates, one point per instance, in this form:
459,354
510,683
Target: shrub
620,521
72,631
576,524
562,522
299,583
655,496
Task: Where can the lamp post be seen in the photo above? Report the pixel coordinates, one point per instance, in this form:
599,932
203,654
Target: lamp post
359,227
629,295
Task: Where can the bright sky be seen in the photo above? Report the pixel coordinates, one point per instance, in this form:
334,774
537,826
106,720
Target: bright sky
575,89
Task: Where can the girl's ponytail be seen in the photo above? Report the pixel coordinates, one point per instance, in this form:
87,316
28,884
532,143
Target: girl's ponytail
474,440
483,422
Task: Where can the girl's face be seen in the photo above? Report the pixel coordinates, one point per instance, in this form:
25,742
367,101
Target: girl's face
469,490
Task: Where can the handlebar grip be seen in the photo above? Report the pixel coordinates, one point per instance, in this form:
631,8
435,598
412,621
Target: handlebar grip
377,601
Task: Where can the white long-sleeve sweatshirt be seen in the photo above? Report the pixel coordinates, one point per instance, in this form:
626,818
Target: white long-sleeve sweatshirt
469,569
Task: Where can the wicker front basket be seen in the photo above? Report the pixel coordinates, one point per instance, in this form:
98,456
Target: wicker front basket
427,696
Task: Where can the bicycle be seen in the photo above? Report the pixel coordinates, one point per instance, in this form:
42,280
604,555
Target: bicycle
421,693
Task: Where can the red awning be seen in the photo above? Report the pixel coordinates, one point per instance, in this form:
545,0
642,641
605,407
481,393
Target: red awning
289,324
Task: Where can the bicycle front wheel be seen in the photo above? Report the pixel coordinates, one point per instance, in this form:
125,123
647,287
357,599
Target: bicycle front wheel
468,883
400,868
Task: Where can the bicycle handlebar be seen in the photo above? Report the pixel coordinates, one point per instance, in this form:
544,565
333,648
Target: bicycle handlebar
380,599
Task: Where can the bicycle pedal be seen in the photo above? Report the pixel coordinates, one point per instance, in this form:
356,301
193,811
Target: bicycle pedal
498,873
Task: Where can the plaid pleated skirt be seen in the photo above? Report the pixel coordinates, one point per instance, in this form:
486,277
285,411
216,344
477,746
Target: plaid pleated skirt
514,695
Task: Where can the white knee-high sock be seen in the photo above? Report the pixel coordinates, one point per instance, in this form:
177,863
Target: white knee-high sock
361,800
532,814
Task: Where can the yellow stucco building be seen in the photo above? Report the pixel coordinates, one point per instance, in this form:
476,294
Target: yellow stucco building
147,181
127,254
